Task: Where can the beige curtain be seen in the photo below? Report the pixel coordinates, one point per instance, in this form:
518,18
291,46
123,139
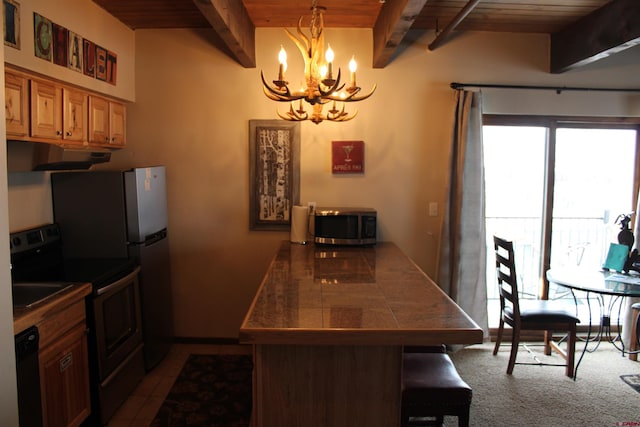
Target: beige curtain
462,256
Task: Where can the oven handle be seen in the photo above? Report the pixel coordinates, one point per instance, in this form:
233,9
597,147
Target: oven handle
120,283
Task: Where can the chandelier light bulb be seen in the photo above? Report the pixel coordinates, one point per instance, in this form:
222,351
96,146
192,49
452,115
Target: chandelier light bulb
353,66
329,56
323,71
282,58
282,55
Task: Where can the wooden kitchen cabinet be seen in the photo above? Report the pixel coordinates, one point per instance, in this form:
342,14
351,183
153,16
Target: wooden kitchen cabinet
58,113
16,104
74,115
64,368
107,122
45,110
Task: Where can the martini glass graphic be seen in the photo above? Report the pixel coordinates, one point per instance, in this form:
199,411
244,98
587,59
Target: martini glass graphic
347,150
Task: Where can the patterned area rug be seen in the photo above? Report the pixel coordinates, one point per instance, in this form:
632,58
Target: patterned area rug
632,380
211,391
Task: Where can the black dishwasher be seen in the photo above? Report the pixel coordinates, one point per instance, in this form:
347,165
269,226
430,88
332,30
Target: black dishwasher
28,378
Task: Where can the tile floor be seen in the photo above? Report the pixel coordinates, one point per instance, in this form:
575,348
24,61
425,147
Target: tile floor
143,404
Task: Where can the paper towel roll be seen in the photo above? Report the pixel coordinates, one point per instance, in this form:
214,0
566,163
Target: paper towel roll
299,222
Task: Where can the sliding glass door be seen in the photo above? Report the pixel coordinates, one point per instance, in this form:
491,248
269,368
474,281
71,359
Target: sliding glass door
593,186
556,188
514,162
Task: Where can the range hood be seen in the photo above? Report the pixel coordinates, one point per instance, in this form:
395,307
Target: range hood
25,156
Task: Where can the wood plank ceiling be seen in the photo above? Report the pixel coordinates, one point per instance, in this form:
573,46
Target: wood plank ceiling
581,31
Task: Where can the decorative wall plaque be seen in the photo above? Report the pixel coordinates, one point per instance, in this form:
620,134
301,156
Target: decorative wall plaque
347,157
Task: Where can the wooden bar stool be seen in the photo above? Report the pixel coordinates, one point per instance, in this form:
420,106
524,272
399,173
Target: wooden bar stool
634,330
432,388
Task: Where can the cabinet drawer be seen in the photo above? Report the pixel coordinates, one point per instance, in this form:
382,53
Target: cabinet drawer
61,322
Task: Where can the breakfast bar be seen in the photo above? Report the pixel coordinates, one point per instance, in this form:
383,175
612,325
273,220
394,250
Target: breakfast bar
328,325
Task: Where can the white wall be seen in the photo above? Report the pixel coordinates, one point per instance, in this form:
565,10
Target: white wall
192,112
88,20
192,108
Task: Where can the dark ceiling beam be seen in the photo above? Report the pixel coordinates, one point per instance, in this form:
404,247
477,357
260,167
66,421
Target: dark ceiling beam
394,20
442,37
230,20
608,30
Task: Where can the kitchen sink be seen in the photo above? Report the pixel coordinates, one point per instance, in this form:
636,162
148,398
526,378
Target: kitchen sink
29,294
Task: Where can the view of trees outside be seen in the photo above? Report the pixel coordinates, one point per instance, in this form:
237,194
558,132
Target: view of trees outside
594,173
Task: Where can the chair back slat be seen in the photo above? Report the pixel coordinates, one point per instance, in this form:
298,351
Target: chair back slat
506,274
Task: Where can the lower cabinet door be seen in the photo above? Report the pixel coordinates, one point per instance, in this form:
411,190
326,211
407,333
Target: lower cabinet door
64,380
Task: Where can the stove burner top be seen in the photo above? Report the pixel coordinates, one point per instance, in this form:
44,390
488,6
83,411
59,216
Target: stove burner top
37,256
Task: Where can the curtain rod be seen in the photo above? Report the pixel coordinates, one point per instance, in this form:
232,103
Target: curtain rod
558,89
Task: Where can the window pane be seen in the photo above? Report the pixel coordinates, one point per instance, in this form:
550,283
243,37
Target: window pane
514,186
593,186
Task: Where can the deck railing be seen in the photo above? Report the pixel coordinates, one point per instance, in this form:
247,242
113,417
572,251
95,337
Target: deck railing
575,241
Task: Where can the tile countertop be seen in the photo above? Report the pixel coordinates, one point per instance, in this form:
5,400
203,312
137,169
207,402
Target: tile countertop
314,294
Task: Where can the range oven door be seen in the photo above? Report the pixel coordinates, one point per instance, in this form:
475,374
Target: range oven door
117,322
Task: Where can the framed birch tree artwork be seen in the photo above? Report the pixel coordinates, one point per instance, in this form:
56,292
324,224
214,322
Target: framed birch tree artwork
274,173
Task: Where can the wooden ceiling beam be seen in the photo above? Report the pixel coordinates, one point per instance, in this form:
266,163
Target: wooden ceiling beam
230,20
444,35
394,20
608,30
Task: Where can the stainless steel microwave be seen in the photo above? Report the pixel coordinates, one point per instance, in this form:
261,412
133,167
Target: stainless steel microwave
345,226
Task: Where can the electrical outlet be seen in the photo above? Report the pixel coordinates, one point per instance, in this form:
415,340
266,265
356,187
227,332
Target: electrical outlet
312,207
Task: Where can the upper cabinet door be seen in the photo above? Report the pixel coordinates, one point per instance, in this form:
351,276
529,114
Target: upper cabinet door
75,115
117,123
16,104
98,120
107,122
46,110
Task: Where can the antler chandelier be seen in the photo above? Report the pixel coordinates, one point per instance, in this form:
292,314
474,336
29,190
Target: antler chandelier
321,85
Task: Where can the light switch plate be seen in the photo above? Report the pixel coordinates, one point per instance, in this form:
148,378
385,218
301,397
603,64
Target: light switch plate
312,207
433,209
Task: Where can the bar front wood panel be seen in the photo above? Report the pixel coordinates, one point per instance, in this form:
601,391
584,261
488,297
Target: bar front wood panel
338,386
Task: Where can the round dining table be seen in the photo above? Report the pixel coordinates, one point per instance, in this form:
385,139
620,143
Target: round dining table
609,288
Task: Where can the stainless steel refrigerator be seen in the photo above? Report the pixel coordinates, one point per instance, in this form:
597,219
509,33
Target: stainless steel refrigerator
122,214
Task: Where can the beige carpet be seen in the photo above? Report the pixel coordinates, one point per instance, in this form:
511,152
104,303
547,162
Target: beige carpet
543,395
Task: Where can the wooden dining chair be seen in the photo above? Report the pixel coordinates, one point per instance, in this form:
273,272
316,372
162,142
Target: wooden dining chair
526,314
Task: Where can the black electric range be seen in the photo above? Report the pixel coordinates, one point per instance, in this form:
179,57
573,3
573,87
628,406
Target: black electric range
113,310
37,257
